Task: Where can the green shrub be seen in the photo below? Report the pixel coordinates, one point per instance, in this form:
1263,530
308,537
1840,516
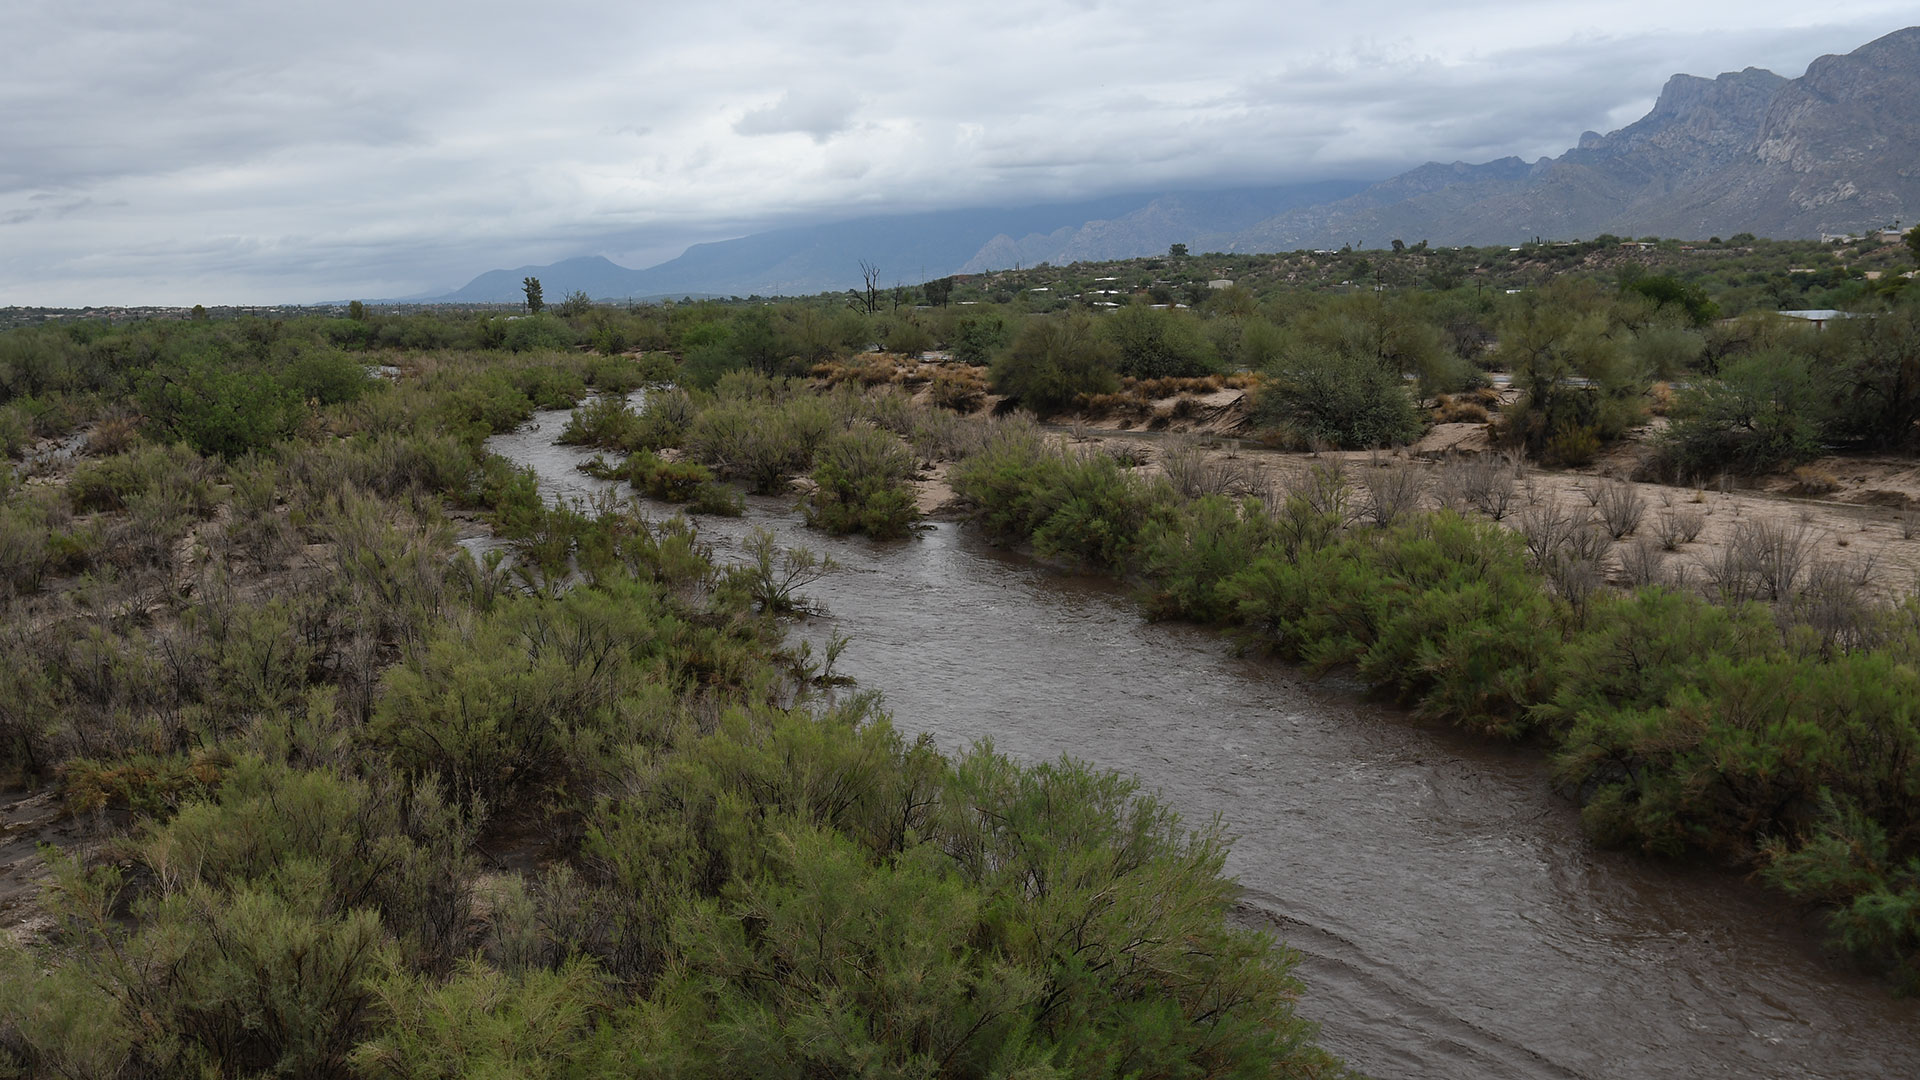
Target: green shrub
1762,414
537,333
718,499
483,1022
1054,360
761,442
1185,558
1080,506
16,431
1154,343
980,338
1742,750
220,409
1439,609
1872,892
862,484
115,483
328,377
1337,400
668,481
606,422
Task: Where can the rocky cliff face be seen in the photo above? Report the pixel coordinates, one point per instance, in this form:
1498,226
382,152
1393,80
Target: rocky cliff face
1835,150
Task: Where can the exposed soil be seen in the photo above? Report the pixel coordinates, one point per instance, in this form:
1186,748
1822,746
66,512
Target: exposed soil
29,819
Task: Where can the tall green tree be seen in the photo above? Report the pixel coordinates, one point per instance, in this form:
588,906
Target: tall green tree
531,286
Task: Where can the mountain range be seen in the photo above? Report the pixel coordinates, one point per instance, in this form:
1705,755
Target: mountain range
1836,150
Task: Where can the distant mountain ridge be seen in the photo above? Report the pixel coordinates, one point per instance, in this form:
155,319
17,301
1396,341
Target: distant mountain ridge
1836,150
911,248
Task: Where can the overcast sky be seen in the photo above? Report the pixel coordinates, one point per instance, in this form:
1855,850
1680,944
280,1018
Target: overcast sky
234,151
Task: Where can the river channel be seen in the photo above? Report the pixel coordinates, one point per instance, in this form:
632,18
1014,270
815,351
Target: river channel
1450,918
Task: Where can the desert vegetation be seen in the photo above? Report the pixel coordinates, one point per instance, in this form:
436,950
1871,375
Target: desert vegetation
355,800
352,800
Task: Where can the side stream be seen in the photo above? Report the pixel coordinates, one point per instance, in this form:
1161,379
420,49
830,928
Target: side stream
1451,919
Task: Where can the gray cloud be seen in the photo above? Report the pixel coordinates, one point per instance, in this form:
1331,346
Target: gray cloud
225,150
819,115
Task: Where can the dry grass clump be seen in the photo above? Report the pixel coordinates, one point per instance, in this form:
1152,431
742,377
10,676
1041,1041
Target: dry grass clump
1393,492
1121,404
1480,482
1195,472
961,389
1678,525
113,435
1620,506
868,371
1168,386
1448,409
1808,480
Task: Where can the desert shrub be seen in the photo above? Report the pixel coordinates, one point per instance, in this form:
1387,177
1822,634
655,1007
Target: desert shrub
115,483
538,333
486,707
906,336
960,389
489,404
979,338
1676,525
1185,558
1573,444
327,377
1440,610
1620,507
759,441
1338,400
1053,360
558,382
1761,414
29,525
668,481
1482,482
1153,342
605,422
663,419
718,499
862,483
220,409
113,435
1741,751
1194,472
772,576
1446,410
16,431
1393,492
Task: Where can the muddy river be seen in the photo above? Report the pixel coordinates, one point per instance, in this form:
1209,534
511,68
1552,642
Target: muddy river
1450,918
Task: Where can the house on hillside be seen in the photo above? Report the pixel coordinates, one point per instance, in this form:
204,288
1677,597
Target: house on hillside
1820,317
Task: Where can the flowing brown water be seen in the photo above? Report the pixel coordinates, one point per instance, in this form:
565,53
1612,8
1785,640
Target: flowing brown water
1450,917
